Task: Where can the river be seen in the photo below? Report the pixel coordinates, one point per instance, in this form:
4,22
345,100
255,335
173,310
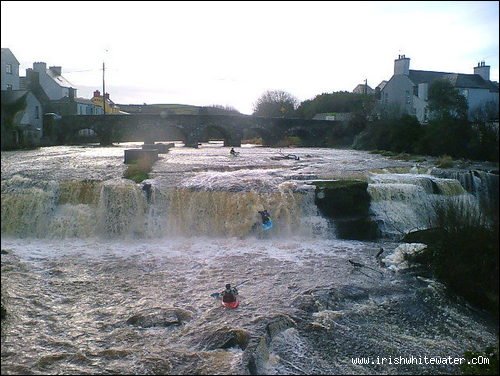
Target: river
102,276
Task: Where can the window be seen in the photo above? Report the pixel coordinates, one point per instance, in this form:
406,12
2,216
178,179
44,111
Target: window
408,97
37,113
9,87
8,68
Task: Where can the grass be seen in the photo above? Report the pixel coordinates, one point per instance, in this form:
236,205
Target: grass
138,171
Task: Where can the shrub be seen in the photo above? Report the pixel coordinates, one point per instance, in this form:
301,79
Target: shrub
488,368
445,161
463,253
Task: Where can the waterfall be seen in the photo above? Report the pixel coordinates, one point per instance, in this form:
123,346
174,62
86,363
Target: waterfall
26,205
405,203
119,208
481,184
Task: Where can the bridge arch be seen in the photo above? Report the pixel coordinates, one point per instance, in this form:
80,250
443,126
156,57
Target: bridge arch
82,133
305,135
213,131
258,132
162,131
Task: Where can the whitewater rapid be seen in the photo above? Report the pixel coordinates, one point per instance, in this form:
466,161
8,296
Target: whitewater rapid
97,278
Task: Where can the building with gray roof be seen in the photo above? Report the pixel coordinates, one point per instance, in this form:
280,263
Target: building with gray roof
407,90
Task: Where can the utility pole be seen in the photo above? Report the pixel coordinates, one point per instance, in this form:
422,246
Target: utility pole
103,91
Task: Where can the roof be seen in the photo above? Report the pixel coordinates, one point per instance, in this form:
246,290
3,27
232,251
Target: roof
11,96
360,89
77,100
461,80
381,85
61,81
84,100
7,54
333,115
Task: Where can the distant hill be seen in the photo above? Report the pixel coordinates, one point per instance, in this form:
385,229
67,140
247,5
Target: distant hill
176,109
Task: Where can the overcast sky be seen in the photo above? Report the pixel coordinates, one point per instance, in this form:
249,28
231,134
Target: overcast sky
230,53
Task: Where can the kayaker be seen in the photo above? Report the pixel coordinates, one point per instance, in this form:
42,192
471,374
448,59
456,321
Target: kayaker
265,216
229,294
233,153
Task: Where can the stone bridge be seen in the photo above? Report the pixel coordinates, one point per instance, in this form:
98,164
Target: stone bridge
192,129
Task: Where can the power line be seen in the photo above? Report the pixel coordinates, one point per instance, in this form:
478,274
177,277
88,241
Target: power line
85,70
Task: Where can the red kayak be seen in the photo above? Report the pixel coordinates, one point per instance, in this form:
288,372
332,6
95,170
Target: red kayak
232,305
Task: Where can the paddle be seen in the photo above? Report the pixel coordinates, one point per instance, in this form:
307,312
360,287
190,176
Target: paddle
359,265
216,295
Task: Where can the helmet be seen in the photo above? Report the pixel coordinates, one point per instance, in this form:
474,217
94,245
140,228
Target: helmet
228,286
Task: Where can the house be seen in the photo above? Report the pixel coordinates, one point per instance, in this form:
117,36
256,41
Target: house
407,90
110,106
10,70
52,81
22,110
74,106
25,115
363,89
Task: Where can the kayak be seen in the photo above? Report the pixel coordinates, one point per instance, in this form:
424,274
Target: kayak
267,225
232,305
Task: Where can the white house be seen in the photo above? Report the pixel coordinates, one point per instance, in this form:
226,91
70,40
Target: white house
407,90
51,81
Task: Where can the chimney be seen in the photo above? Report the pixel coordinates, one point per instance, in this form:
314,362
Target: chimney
97,94
106,96
40,67
483,70
402,65
71,94
56,70
32,79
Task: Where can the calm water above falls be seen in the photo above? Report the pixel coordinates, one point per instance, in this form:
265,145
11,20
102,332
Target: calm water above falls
100,278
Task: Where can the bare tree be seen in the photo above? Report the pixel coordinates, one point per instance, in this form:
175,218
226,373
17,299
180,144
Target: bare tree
276,103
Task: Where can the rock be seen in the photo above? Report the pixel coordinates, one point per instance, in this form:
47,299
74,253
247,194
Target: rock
226,338
159,317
